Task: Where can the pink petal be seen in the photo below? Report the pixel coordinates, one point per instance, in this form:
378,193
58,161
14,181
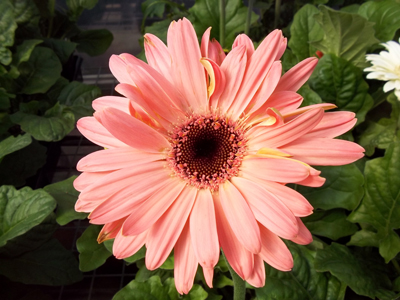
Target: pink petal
217,80
257,68
205,41
115,159
96,133
87,178
203,230
288,116
293,79
284,101
304,237
282,49
274,251
157,55
324,151
274,169
238,257
267,208
85,206
125,246
132,131
120,103
257,278
292,199
188,72
208,276
266,88
333,124
243,39
240,217
110,230
118,69
215,52
288,132
233,67
166,231
185,262
146,214
123,202
312,181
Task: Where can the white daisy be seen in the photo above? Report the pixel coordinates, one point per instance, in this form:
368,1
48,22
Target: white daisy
386,67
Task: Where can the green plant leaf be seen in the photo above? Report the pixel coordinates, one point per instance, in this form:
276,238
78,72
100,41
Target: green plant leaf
24,51
332,224
305,30
7,29
25,11
381,134
40,72
337,81
303,282
62,48
50,264
381,205
56,123
206,14
309,96
144,274
30,240
24,163
363,272
196,293
93,42
364,238
385,15
20,210
78,97
65,195
76,7
346,35
91,254
343,188
159,29
12,144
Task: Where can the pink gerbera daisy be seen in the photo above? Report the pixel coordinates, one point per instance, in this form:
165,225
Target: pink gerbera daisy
198,153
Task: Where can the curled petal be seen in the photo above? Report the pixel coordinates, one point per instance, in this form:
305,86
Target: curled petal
110,230
217,80
215,52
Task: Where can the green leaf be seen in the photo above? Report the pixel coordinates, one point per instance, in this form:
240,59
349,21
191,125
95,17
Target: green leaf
144,274
25,11
40,72
65,195
57,122
343,188
309,96
385,15
91,254
305,30
12,144
381,134
346,35
364,238
32,239
62,48
381,205
159,29
50,264
168,264
79,97
76,7
93,42
303,282
339,82
196,293
221,281
206,14
24,163
332,224
24,51
20,210
7,29
363,273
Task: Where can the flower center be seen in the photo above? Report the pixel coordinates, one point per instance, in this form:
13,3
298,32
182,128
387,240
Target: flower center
206,150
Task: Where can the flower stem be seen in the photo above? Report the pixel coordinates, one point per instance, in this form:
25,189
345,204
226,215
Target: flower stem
222,23
396,265
239,285
248,19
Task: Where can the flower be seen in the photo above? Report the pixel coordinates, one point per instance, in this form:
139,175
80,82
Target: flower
198,153
386,67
